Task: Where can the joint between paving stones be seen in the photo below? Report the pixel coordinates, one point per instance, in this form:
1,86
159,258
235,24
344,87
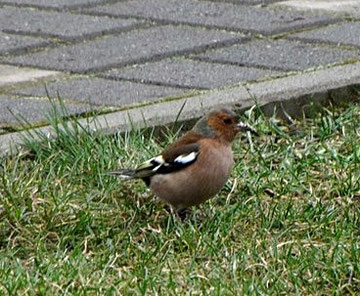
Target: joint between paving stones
239,64
323,44
26,49
149,82
70,8
282,92
64,40
66,101
202,45
164,22
156,57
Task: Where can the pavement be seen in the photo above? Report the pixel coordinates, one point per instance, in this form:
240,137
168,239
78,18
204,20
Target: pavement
149,59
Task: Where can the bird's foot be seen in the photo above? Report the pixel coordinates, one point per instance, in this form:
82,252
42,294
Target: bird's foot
183,214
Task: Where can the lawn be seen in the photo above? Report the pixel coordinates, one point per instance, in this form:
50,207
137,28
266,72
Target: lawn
286,223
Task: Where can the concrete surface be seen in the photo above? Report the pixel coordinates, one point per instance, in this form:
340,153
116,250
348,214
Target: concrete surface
58,24
124,49
339,7
189,73
269,54
150,56
15,44
17,111
342,34
214,14
10,75
100,92
59,4
284,91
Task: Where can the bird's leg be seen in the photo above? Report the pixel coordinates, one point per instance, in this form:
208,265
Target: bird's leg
183,213
168,208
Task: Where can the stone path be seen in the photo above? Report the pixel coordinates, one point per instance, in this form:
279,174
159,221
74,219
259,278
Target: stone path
109,55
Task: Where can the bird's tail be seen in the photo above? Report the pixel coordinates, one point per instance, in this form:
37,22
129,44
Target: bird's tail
123,173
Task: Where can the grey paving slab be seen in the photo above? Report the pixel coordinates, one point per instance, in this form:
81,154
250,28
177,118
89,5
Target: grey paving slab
189,73
347,33
213,14
276,91
126,48
101,92
15,43
338,7
248,2
280,54
58,24
52,3
10,75
32,110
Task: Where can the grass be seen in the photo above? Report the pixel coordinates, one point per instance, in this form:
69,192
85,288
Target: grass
286,223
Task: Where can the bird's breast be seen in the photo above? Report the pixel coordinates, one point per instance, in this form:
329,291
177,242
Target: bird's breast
199,181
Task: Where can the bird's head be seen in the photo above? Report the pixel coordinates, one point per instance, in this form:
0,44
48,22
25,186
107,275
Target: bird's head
222,124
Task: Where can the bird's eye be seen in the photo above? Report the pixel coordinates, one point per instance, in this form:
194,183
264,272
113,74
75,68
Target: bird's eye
227,120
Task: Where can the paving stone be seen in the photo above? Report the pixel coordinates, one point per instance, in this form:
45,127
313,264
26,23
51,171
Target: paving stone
340,7
248,2
281,54
53,3
126,48
189,73
10,75
101,92
32,110
58,24
15,43
214,14
347,33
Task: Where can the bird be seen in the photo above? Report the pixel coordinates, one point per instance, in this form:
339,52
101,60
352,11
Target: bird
196,166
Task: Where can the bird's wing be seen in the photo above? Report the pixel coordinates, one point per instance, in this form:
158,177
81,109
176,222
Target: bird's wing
170,161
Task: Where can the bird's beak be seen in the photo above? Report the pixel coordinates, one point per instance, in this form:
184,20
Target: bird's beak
243,127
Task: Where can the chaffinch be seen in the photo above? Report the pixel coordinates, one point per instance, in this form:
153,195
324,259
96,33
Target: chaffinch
196,166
